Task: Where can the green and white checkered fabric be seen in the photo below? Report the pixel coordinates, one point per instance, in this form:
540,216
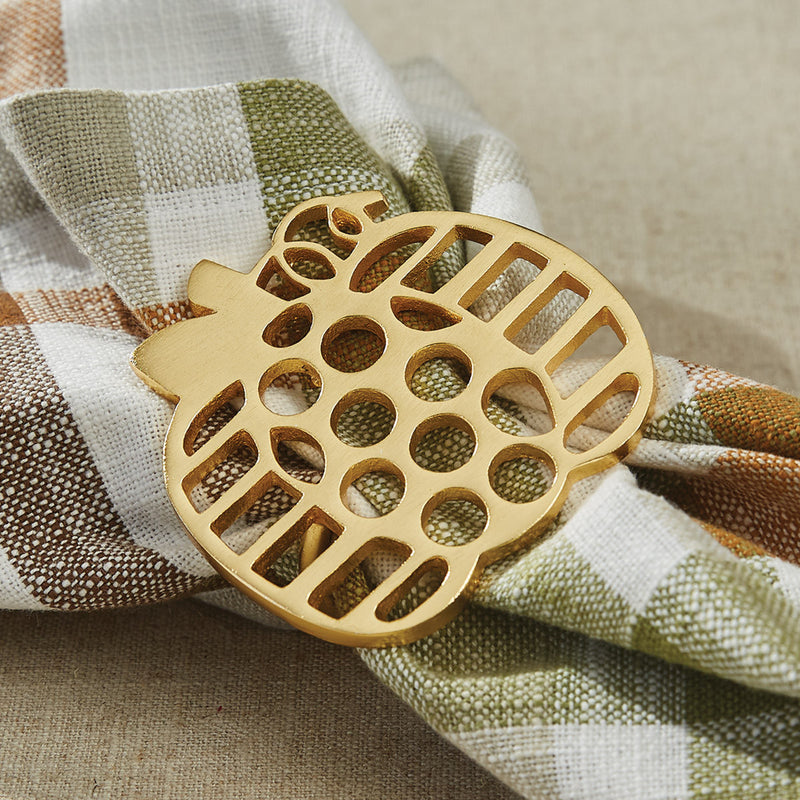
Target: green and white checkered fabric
646,648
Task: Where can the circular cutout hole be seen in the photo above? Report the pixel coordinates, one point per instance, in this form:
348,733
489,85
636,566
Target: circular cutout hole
514,401
521,475
289,327
290,387
353,344
299,454
373,488
438,372
363,418
454,517
443,443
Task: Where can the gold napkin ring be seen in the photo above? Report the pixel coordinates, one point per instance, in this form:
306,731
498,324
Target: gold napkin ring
373,316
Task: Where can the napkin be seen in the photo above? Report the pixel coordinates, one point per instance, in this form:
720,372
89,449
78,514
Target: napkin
648,645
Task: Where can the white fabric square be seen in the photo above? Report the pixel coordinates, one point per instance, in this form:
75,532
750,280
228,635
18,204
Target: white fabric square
193,139
622,762
788,579
37,253
633,539
14,594
224,223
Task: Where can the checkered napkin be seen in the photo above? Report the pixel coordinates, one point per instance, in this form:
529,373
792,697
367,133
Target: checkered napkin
647,647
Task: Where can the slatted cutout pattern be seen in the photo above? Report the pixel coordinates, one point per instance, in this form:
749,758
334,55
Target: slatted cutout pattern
401,388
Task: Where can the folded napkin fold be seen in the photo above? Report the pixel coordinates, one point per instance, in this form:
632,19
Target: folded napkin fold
647,646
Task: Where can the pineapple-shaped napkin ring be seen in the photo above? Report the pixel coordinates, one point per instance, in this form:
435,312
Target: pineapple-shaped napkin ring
376,411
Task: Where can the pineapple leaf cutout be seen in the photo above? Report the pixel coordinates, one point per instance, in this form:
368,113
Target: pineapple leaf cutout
385,405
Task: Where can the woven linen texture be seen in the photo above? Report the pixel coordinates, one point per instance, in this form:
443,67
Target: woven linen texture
647,647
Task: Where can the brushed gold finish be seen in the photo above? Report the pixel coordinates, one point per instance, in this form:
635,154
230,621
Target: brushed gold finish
314,541
276,323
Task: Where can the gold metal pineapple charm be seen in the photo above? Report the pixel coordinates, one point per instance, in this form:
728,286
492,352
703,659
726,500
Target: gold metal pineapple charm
379,409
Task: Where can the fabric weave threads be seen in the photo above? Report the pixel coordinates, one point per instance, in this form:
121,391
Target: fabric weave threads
648,647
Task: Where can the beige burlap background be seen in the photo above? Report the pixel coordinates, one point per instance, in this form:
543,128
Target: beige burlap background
661,142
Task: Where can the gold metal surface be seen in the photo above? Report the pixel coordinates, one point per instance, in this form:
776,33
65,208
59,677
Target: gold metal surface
251,329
